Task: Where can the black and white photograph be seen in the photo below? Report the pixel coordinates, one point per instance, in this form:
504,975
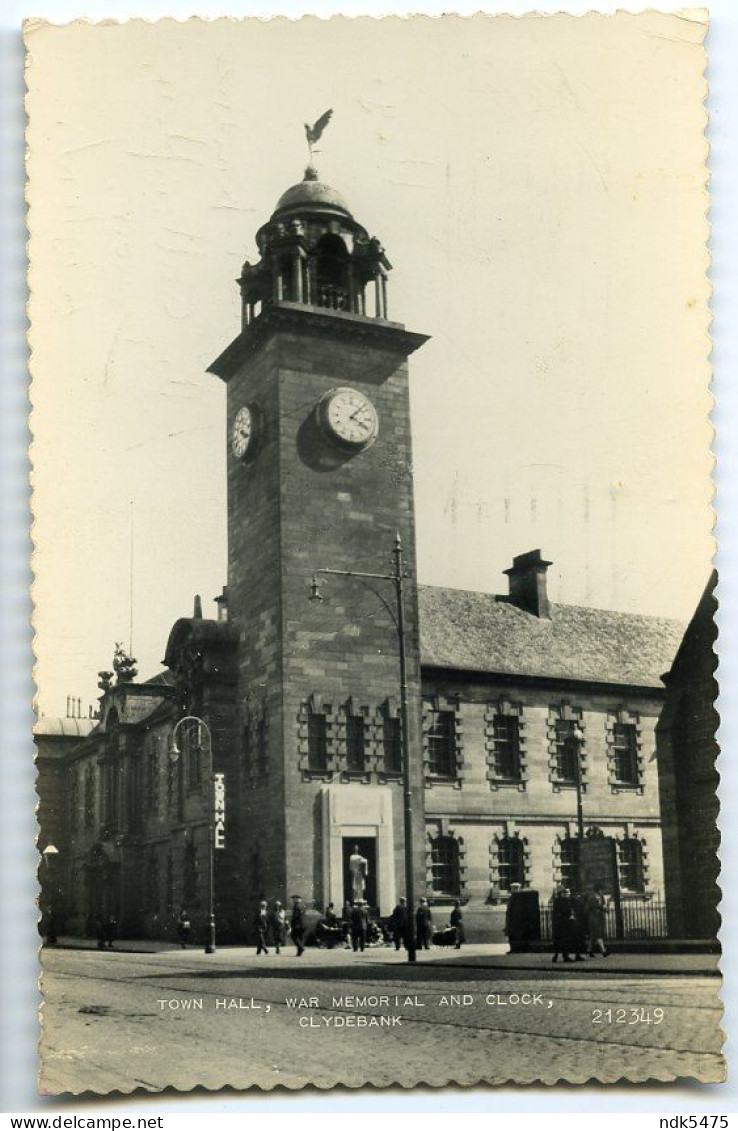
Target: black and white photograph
373,553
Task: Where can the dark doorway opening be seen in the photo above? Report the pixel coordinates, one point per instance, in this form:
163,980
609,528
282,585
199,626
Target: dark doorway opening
367,846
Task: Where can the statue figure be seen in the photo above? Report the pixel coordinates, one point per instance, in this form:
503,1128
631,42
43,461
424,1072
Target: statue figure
125,666
358,871
105,681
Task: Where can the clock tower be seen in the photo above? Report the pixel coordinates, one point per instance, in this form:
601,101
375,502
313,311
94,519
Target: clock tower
320,477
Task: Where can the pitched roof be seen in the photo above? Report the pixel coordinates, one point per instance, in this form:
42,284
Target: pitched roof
488,633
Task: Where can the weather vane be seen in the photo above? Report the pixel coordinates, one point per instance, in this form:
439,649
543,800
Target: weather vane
314,133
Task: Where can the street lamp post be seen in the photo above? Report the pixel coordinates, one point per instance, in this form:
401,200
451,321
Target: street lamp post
397,577
578,742
210,941
49,881
577,739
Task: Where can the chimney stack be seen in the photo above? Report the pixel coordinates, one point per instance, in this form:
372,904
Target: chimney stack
528,583
197,612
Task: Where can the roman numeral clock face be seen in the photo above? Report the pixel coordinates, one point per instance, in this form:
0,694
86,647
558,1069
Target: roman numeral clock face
242,432
348,418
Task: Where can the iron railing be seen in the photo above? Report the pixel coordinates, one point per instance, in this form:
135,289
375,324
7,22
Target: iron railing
643,918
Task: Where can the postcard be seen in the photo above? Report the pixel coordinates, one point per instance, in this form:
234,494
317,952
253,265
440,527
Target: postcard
373,552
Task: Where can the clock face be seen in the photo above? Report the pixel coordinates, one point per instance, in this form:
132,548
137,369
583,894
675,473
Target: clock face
349,417
242,432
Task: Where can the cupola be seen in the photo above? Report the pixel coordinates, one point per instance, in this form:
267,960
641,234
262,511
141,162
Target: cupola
314,254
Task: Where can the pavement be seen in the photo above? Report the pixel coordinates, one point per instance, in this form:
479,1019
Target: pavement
148,1020
472,956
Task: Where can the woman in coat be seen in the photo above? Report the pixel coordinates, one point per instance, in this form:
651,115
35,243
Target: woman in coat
594,902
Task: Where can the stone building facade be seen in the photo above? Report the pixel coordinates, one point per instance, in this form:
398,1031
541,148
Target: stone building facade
687,754
300,700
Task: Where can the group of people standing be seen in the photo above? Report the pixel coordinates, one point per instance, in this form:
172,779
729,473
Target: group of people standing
271,926
424,930
578,924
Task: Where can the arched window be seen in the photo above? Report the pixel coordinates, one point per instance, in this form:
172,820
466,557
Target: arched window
445,872
510,862
333,273
630,864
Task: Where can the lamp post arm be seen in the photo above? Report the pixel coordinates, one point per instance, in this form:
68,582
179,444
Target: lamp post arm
362,577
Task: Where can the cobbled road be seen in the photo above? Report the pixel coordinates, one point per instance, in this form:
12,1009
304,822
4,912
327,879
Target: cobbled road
122,1021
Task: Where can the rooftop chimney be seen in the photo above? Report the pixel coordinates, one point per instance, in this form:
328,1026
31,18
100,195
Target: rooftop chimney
197,612
222,603
528,583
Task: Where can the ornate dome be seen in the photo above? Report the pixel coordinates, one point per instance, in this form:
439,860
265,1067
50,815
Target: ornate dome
311,193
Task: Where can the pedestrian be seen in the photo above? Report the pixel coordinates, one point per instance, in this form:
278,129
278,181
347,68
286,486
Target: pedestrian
456,920
109,931
398,924
279,926
424,924
261,926
595,904
579,928
183,928
562,915
359,924
346,924
297,924
51,936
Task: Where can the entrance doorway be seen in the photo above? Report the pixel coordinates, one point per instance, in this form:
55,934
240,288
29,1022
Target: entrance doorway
367,846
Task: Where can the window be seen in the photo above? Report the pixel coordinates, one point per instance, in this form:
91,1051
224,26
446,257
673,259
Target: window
567,752
630,863
355,743
570,862
506,747
441,738
510,862
392,742
317,742
445,874
625,754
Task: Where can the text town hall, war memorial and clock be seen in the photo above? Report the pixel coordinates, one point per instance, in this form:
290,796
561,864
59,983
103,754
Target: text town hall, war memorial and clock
277,730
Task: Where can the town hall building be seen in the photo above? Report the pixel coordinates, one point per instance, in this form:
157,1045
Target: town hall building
522,715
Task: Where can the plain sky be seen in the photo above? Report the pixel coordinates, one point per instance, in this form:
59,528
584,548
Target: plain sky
539,187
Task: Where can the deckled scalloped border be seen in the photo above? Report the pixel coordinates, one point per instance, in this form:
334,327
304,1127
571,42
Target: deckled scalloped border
696,15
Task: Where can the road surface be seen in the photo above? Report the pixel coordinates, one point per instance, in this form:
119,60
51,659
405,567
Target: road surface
127,1021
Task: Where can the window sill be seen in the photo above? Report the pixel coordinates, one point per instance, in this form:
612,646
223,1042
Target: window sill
437,779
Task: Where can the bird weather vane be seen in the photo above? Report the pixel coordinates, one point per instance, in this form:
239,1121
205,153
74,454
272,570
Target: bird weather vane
314,133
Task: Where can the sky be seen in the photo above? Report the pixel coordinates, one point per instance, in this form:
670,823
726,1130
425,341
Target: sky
538,185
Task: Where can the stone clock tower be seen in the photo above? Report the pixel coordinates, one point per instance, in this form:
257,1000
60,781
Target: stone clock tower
320,476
